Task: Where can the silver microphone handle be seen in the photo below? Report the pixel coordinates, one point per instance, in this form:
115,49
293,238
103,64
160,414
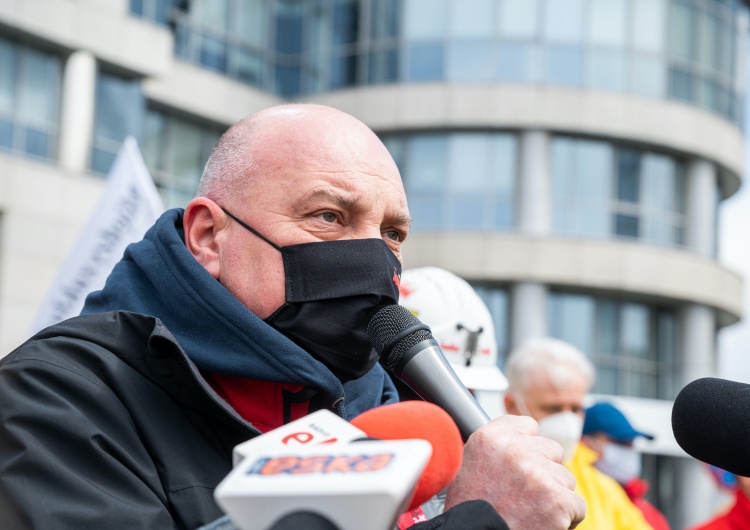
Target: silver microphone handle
430,376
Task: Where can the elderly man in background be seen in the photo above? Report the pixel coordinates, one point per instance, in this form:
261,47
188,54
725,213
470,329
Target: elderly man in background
548,380
239,314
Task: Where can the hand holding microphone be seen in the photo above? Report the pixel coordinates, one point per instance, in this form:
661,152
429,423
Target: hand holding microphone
519,473
504,462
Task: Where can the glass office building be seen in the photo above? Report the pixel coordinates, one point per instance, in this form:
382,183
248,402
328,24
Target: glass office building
567,157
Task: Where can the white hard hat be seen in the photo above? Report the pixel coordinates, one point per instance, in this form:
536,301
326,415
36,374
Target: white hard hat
460,322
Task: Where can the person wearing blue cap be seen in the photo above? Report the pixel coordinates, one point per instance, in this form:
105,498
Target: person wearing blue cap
609,434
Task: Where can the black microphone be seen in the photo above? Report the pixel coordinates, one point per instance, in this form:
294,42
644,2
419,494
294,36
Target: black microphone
408,350
711,422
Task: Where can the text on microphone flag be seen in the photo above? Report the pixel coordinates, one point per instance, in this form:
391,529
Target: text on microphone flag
320,464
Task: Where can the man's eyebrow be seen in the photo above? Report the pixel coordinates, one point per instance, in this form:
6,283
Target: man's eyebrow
401,220
326,195
346,202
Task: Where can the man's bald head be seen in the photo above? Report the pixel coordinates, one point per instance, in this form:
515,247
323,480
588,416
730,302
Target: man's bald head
263,142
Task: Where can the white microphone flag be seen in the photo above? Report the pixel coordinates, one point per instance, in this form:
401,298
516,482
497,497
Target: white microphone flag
128,207
320,427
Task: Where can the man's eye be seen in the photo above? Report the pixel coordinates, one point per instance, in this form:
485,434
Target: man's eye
393,235
328,217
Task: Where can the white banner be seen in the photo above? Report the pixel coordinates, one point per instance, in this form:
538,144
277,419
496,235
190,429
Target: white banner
128,207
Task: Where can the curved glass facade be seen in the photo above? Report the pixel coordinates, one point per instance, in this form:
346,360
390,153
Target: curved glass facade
602,189
631,344
457,180
687,50
468,181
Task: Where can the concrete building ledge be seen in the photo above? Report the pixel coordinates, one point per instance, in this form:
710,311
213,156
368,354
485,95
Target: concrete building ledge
103,27
207,94
600,265
659,122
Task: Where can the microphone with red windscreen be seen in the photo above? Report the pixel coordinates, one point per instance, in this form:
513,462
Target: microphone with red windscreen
422,420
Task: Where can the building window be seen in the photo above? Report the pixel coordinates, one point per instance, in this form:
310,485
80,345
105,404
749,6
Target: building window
175,151
30,84
631,344
227,36
119,113
496,299
158,11
605,190
457,181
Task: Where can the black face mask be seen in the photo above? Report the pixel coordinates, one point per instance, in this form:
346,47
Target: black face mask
333,289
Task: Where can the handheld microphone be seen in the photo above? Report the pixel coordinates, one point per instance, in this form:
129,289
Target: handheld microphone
364,485
711,422
408,350
421,420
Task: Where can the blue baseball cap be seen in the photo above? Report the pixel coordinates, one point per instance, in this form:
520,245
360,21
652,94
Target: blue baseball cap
606,418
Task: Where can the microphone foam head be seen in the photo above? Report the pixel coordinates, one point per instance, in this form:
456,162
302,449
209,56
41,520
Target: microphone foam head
711,422
419,419
388,326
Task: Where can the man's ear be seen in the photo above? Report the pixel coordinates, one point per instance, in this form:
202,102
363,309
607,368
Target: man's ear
510,404
203,220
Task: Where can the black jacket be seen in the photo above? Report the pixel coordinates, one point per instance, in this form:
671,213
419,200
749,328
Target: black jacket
106,424
99,417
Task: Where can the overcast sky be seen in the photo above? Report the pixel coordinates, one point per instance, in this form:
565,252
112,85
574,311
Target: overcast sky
734,252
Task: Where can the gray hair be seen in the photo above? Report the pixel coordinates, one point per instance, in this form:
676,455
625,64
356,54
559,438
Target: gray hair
558,358
233,159
230,162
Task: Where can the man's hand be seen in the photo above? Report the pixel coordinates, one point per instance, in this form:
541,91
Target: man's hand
520,474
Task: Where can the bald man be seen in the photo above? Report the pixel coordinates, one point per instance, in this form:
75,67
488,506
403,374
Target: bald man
241,313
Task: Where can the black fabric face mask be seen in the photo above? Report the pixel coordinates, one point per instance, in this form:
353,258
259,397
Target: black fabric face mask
333,289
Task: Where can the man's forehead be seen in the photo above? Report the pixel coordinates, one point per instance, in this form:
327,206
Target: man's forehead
567,384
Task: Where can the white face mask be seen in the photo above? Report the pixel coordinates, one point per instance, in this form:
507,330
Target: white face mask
619,462
565,428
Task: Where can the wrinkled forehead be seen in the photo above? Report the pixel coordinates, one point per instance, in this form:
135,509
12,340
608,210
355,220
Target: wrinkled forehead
337,140
312,145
